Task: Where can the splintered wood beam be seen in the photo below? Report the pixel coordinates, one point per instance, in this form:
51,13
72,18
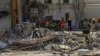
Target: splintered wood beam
33,42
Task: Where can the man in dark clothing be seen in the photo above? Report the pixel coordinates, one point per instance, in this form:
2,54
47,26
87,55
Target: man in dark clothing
69,24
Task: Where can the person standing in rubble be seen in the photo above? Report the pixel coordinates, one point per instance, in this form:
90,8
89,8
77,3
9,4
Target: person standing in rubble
86,32
33,21
93,23
86,24
62,24
45,23
69,24
51,24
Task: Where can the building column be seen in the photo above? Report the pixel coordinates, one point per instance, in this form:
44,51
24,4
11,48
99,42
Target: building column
14,12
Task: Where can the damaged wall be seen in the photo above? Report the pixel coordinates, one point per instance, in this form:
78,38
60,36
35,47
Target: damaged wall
92,8
5,22
58,13
53,9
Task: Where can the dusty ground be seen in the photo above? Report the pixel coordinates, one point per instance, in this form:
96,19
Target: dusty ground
28,53
40,53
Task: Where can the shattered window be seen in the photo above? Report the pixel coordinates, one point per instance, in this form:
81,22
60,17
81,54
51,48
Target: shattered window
48,1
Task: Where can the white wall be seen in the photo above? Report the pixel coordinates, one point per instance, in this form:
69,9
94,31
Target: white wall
65,8
92,1
92,8
53,10
93,11
5,22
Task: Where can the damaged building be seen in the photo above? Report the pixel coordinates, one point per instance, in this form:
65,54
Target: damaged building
49,28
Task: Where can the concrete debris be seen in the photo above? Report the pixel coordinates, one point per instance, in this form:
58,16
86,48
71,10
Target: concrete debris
29,53
48,47
64,54
2,45
61,48
83,51
24,37
22,30
97,53
65,47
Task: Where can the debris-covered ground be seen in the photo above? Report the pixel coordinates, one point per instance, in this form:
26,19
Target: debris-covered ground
25,40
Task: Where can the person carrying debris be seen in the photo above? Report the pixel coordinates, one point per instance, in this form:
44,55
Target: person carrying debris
62,24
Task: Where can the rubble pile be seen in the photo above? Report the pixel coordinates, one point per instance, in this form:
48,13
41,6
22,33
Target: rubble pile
29,53
25,37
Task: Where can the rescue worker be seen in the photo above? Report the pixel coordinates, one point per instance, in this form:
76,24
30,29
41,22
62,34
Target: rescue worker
62,24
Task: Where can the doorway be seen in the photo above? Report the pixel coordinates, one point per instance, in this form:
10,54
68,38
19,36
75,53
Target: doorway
66,16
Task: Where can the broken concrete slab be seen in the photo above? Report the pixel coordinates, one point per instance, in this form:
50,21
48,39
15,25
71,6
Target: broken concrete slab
83,51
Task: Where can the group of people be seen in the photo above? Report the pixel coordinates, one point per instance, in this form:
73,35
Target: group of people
62,24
